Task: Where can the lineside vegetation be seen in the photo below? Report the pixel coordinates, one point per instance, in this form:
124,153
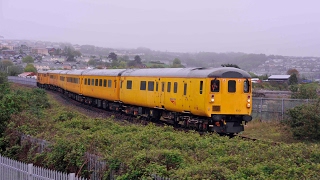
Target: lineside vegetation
136,151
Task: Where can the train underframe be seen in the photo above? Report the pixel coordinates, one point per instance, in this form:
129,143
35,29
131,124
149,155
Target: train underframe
222,124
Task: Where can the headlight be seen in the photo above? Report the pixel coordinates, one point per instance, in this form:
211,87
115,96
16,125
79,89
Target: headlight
248,105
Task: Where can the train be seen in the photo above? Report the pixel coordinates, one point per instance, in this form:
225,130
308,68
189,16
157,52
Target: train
206,99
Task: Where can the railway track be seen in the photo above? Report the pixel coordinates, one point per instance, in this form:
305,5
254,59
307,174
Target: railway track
121,117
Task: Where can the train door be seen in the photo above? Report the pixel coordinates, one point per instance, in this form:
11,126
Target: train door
162,94
185,97
156,94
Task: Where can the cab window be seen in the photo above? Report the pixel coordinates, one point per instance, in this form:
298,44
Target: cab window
215,86
246,86
231,86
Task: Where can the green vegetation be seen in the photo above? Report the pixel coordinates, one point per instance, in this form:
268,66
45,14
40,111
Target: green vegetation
135,151
28,59
304,91
304,121
30,68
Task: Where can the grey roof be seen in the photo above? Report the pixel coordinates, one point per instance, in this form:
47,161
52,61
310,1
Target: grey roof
42,71
226,72
279,77
103,72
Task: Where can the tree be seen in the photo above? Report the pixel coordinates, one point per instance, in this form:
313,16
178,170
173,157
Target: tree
15,70
28,59
293,79
30,68
113,56
176,63
304,121
137,59
304,91
4,64
92,62
293,71
230,65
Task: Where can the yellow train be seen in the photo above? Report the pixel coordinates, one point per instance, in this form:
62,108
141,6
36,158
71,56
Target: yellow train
208,99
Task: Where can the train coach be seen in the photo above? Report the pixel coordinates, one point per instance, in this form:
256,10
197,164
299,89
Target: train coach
208,99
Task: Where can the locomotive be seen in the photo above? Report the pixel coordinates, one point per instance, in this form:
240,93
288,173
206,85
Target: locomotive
207,99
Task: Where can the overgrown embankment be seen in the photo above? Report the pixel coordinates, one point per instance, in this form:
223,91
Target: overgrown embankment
135,151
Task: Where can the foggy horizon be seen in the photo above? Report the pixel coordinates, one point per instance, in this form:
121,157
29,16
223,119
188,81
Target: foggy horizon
288,28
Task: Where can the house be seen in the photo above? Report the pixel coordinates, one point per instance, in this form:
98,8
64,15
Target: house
27,75
279,78
41,51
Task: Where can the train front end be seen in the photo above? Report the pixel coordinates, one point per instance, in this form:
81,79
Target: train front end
229,100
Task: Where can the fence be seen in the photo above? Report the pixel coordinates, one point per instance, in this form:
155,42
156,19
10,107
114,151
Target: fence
15,170
20,80
274,109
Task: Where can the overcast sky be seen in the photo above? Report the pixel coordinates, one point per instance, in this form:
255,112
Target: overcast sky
284,27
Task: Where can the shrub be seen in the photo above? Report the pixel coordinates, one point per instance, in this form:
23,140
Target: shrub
304,121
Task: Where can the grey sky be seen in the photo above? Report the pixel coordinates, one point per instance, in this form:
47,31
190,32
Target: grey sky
284,27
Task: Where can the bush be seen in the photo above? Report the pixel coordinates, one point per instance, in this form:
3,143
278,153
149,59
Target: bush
304,121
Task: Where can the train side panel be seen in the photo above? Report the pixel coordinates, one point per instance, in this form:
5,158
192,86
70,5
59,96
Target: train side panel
102,87
72,83
139,91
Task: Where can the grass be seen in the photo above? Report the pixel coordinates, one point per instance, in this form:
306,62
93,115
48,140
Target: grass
269,130
136,151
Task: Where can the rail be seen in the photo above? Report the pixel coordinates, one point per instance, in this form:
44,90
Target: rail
262,108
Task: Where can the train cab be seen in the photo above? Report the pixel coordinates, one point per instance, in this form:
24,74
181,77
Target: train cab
229,99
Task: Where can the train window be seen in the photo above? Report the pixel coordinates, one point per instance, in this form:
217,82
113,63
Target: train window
201,87
109,83
92,82
169,87
129,84
232,86
185,89
96,83
246,86
150,85
85,81
156,86
51,76
215,85
104,83
100,82
88,81
162,88
175,87
143,85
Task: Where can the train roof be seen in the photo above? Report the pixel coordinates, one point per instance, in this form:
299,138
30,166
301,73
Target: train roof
43,72
103,72
223,72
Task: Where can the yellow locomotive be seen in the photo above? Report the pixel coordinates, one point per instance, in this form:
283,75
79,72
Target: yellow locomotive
208,99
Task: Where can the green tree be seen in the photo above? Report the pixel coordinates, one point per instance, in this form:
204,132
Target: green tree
304,121
28,59
30,68
4,64
304,91
113,56
293,79
176,63
15,70
230,65
92,62
137,59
